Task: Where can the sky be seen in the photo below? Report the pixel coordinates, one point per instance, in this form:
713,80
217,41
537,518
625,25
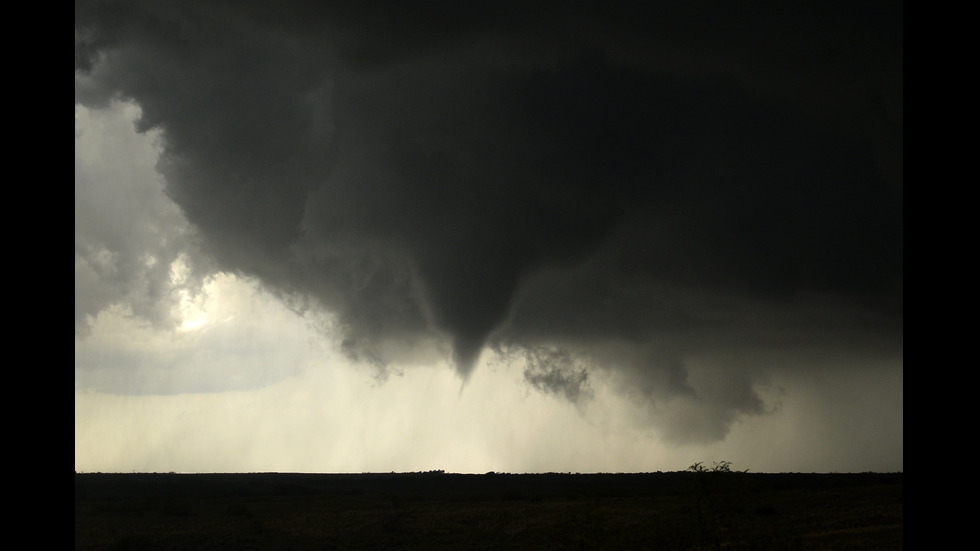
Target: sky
364,237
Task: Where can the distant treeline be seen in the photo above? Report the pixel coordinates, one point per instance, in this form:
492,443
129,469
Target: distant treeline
438,484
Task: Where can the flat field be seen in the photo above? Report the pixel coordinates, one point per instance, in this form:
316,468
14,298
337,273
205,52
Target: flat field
434,510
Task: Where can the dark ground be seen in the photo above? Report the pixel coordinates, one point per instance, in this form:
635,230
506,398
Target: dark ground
680,510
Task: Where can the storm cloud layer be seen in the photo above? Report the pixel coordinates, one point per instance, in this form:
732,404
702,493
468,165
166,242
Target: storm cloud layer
606,191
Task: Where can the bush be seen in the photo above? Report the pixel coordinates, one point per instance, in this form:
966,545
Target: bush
714,502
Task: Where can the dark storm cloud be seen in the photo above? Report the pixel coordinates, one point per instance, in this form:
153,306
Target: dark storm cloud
634,186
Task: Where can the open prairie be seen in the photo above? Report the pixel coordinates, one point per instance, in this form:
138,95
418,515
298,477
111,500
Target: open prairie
435,510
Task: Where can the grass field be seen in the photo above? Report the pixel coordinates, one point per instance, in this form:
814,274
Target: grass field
683,510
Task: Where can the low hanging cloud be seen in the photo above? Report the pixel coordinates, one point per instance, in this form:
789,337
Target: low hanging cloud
551,370
630,191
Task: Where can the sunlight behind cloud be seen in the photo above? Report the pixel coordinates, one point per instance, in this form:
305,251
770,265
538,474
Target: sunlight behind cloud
231,336
191,312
